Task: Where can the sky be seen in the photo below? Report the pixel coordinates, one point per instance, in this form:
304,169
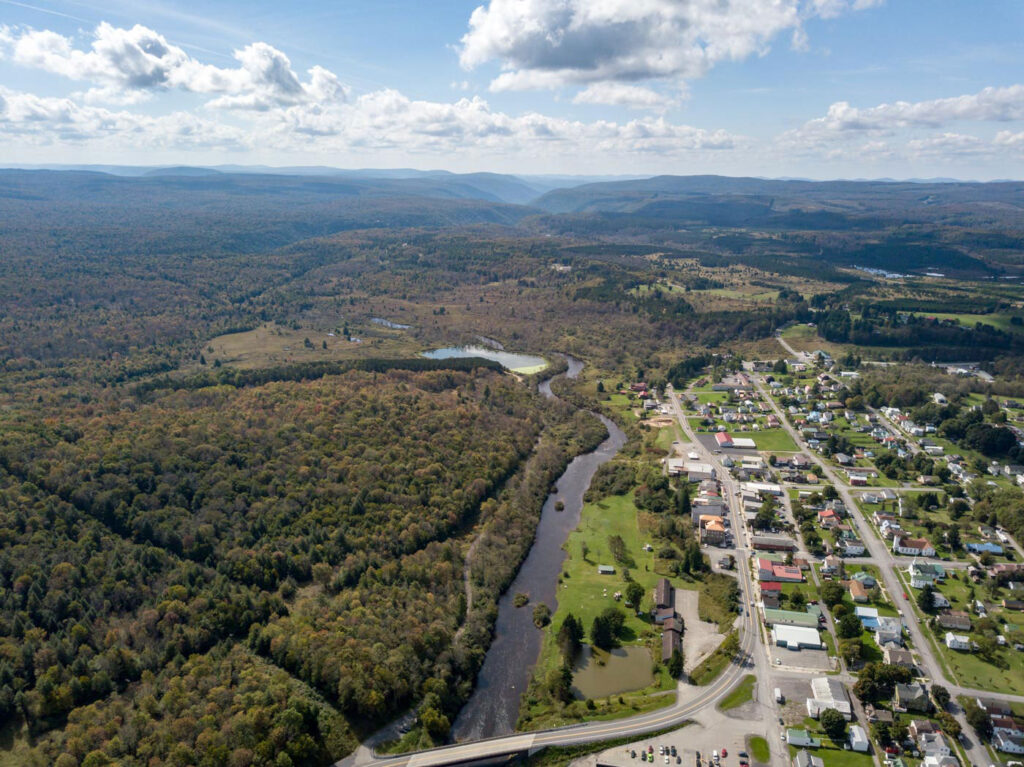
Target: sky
780,88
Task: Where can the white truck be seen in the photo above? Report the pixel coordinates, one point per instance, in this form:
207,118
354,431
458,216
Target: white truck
779,697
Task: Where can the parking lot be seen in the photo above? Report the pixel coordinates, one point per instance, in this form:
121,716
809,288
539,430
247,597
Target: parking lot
796,691
817,660
712,730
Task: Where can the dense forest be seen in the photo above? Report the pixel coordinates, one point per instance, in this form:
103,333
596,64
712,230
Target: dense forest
215,558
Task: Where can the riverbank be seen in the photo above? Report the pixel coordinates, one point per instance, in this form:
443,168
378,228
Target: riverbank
494,705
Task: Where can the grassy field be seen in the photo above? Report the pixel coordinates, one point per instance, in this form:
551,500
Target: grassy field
273,344
586,594
969,669
759,750
773,441
996,320
743,693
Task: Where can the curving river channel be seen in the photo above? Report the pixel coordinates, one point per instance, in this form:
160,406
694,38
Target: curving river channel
494,706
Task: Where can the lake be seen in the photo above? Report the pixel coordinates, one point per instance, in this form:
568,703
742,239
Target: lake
517,363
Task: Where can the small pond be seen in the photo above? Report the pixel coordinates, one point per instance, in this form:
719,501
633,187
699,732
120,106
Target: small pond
624,669
517,363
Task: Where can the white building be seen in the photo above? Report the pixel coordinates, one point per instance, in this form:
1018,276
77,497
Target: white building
829,693
796,637
858,738
958,641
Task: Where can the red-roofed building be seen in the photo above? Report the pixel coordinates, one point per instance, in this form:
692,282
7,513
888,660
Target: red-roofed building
787,573
723,439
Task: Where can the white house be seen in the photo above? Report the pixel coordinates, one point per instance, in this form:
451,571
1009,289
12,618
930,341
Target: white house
912,547
930,743
858,738
934,760
958,641
1009,744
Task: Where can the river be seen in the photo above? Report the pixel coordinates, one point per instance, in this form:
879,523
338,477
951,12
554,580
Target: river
494,706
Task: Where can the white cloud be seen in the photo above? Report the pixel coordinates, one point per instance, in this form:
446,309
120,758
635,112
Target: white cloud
139,59
551,43
622,94
48,120
991,104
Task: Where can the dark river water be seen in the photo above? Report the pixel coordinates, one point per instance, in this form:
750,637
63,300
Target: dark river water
494,706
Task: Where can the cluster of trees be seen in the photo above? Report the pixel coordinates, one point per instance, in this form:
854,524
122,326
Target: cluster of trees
310,522
261,717
927,337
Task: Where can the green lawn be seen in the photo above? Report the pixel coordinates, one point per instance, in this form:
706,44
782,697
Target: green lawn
666,436
582,592
743,693
759,750
773,441
969,669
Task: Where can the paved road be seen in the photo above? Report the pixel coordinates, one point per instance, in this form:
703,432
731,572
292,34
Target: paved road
883,559
751,625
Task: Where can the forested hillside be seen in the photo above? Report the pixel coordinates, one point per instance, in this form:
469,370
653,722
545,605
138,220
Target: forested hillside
315,523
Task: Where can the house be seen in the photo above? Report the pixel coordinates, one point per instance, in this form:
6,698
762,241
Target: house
858,738
912,547
919,727
796,637
889,631
832,565
800,737
1013,604
828,518
933,744
804,758
993,707
851,547
912,697
856,590
765,568
843,459
664,594
922,573
1009,744
956,620
894,656
671,642
939,600
868,616
935,760
877,714
723,439
866,579
829,693
1007,725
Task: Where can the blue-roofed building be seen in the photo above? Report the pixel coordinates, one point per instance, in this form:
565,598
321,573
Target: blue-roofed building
984,548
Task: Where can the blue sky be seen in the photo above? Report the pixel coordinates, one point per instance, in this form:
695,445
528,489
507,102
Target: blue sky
816,88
